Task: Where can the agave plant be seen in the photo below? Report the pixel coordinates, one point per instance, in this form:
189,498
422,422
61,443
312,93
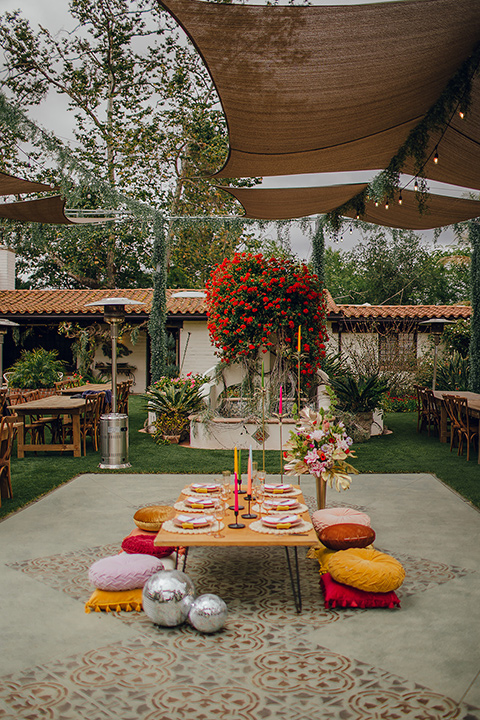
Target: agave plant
361,394
181,396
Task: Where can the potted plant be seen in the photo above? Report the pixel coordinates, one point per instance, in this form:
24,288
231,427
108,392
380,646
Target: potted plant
360,396
173,400
36,369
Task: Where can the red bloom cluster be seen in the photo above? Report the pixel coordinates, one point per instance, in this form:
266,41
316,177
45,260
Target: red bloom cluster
257,303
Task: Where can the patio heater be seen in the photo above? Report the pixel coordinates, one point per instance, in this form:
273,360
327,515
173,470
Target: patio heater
436,329
4,325
114,425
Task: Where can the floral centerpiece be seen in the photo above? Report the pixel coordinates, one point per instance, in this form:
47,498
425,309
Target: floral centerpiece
320,446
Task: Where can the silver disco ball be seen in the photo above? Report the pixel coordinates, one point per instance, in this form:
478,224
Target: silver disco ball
167,597
208,613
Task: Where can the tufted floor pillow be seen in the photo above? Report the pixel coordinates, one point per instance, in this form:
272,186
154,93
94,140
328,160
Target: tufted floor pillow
123,572
337,595
330,516
143,543
341,536
366,569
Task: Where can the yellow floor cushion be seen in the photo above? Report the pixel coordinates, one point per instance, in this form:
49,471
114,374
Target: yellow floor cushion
366,569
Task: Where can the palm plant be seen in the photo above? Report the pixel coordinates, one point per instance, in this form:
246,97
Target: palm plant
37,368
358,395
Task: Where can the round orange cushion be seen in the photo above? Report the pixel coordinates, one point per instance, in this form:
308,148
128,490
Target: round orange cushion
346,535
366,569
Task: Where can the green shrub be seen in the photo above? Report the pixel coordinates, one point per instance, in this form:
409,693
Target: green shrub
35,369
392,403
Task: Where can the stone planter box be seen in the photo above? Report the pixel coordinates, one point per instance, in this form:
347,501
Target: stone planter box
227,433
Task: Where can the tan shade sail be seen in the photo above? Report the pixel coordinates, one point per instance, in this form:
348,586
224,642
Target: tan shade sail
44,210
285,203
326,88
440,211
10,185
458,147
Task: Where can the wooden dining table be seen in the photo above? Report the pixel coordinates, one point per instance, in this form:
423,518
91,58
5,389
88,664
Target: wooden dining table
473,401
92,387
56,406
247,537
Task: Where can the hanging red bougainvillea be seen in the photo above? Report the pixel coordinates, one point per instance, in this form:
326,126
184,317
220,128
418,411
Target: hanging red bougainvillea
256,304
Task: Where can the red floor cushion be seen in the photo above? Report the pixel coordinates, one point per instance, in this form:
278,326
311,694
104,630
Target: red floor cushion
143,543
338,595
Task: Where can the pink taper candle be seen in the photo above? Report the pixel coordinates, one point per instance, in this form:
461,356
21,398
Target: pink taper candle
280,407
236,493
249,484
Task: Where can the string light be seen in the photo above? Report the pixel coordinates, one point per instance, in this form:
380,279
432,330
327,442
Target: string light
351,229
461,113
376,203
435,157
386,205
400,199
358,216
415,187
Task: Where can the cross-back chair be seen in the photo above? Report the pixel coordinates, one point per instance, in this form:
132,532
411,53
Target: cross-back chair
7,434
462,425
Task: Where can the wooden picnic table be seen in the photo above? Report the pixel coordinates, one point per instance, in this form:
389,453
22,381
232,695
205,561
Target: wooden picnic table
473,401
53,405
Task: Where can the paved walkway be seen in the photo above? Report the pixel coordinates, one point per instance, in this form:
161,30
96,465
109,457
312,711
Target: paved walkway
421,661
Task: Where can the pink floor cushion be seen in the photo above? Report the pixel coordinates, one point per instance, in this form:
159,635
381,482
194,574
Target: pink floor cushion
366,569
331,516
338,595
123,572
341,536
143,543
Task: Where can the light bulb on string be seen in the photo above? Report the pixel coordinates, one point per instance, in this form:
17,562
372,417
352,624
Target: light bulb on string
435,157
386,205
341,238
400,199
358,217
462,114
351,229
415,187
376,203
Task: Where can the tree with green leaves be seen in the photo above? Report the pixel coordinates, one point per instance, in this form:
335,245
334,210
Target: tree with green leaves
147,121
393,267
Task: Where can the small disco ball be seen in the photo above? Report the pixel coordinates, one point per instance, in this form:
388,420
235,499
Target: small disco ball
167,597
208,613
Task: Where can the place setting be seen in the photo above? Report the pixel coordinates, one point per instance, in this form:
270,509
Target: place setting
192,524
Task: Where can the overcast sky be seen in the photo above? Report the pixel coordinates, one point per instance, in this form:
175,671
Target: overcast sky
54,15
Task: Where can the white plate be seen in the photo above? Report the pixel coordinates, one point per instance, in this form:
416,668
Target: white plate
281,504
278,489
196,521
204,488
197,502
284,520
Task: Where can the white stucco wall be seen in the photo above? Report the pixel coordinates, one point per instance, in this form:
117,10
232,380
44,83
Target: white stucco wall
7,268
199,354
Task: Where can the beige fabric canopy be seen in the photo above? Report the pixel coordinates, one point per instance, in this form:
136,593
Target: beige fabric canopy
326,88
10,185
284,203
43,210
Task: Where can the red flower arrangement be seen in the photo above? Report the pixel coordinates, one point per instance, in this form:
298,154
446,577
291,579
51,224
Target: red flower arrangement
257,303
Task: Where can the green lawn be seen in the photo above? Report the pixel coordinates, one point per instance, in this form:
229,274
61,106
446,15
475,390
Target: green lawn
401,452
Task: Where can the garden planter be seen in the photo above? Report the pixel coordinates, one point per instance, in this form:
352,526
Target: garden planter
172,439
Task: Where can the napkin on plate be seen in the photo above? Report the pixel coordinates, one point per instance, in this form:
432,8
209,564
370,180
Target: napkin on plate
281,504
277,488
281,523
199,503
203,487
192,521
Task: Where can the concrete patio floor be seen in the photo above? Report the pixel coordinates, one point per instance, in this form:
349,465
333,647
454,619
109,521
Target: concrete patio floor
421,661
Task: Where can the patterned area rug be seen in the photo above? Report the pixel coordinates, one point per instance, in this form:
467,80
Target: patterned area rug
264,664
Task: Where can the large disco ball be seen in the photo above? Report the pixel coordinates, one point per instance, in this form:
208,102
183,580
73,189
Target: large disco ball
167,597
208,613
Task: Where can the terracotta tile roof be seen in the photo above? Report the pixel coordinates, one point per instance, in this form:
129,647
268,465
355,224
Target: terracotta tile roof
413,312
73,302
191,302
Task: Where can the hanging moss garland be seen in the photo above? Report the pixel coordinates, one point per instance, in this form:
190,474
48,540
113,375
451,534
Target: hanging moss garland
474,376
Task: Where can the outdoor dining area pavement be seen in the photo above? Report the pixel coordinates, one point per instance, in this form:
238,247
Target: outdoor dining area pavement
420,661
